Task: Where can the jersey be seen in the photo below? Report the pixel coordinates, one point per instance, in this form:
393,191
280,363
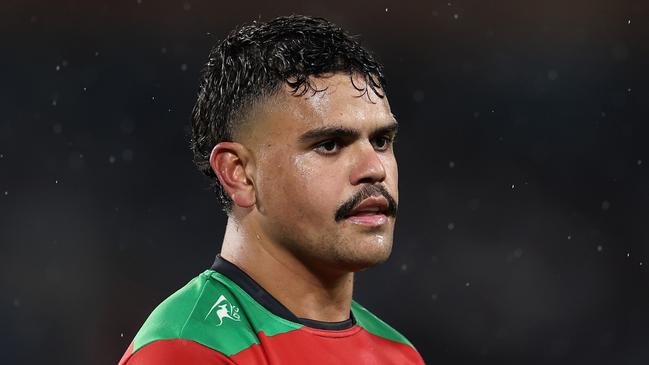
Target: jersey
224,317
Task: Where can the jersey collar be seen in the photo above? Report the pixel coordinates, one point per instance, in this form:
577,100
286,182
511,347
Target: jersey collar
245,282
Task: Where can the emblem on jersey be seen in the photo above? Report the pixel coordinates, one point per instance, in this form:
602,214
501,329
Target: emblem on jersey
224,309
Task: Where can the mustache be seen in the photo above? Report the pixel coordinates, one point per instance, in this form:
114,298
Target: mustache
365,192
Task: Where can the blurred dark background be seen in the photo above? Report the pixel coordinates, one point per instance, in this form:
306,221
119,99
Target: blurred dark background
524,170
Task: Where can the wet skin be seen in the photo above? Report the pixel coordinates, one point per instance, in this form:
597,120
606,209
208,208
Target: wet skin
312,153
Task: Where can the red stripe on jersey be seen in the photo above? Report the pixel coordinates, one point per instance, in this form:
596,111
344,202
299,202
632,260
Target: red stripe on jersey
175,352
304,346
318,347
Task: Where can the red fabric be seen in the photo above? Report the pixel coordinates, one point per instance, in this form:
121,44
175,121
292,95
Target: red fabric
304,346
174,352
318,347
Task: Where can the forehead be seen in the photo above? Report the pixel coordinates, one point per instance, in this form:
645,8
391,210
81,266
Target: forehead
338,102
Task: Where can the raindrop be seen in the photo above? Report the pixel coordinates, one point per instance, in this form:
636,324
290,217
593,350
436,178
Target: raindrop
456,16
599,248
628,21
111,159
187,6
57,128
404,267
6,192
518,253
569,237
628,254
121,335
58,68
451,226
639,162
183,67
434,296
467,284
553,75
451,164
605,205
386,10
183,218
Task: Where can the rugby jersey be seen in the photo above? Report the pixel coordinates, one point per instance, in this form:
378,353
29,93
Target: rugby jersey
224,317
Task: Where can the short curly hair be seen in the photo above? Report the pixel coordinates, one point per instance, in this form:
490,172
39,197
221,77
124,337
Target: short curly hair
254,61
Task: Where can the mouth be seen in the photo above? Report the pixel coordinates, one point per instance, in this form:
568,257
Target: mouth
368,220
371,212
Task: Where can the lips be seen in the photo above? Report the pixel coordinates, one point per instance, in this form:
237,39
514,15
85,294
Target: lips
374,205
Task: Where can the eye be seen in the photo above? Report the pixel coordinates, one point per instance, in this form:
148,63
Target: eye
382,143
327,147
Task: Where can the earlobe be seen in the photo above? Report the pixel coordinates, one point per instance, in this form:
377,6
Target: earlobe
230,161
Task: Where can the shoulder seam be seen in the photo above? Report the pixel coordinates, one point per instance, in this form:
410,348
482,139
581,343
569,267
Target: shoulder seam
182,329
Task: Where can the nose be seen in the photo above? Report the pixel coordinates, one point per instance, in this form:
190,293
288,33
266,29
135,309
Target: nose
368,166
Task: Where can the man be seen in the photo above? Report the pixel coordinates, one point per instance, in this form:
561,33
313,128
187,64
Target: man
293,124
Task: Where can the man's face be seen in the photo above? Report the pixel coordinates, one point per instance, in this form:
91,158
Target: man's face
326,175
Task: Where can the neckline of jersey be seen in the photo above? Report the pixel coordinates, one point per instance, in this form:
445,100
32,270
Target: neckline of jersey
263,297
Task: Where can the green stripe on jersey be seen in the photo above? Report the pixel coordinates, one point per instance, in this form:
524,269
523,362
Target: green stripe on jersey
213,311
375,325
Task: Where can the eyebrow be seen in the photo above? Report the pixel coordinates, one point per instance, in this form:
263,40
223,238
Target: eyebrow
333,132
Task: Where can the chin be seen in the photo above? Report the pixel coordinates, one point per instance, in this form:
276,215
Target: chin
364,259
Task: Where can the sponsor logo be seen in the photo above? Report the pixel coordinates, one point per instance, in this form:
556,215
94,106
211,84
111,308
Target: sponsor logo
224,309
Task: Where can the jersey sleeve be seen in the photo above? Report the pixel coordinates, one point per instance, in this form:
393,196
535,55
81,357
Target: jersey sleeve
174,352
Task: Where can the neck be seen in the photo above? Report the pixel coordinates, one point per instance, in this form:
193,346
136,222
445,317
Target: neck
304,291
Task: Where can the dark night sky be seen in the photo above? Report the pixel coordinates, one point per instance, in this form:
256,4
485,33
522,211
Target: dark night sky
523,165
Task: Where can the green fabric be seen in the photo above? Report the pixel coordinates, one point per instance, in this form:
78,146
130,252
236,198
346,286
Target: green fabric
190,313
186,314
376,326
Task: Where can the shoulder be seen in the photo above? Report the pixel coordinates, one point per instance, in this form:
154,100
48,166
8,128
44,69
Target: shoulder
374,325
206,312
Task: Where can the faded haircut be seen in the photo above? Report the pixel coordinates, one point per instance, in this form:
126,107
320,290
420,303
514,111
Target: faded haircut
254,61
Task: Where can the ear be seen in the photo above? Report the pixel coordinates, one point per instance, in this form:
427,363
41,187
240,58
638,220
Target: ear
230,162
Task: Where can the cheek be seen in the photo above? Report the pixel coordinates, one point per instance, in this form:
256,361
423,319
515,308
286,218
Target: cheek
316,185
392,176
